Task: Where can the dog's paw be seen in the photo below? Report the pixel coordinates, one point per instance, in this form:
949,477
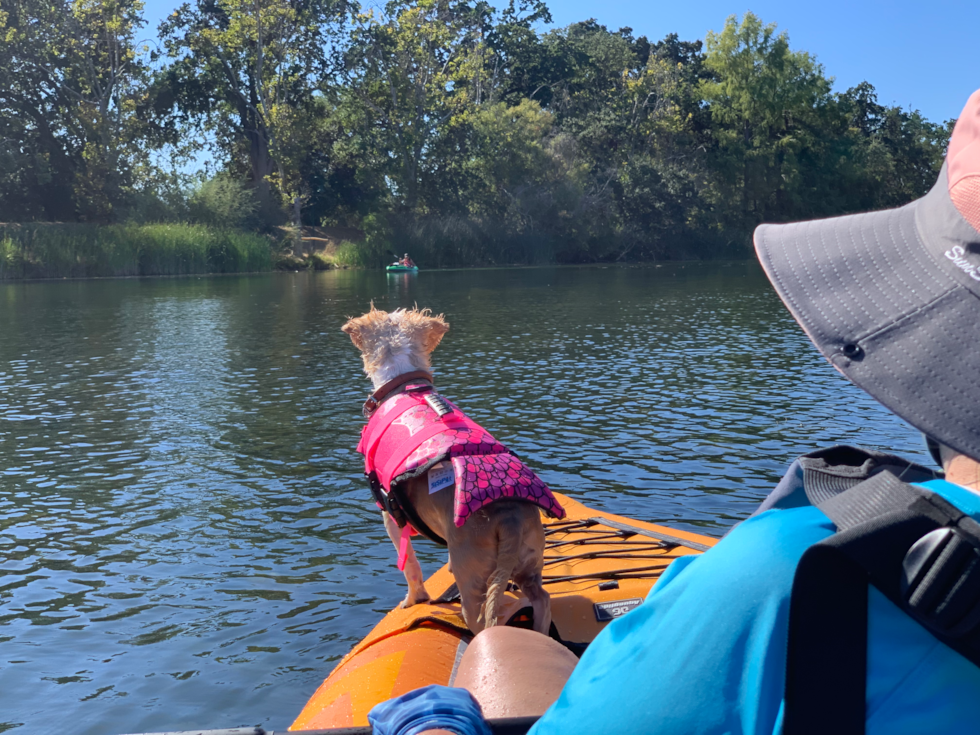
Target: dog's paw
415,599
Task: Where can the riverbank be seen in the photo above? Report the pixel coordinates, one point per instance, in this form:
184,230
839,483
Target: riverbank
53,250
72,250
322,248
46,250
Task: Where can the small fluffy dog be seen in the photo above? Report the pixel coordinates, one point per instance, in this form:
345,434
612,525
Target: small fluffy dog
434,470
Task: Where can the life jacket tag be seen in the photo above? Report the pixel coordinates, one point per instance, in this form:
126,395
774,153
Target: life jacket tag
441,476
438,404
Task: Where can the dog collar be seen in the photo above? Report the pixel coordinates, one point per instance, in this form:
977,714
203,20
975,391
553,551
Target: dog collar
374,399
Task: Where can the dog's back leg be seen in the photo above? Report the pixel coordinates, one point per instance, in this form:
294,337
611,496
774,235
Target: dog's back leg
473,564
539,598
413,570
472,595
527,576
509,541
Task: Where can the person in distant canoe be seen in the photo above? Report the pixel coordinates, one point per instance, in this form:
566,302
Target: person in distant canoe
850,601
406,261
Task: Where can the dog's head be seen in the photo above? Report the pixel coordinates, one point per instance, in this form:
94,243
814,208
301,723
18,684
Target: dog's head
392,343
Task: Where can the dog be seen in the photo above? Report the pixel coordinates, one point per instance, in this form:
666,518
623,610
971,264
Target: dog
435,471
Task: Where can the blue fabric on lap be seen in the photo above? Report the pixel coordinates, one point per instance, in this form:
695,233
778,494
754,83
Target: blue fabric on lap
429,708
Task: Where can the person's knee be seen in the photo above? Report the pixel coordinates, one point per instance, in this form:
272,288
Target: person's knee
514,672
499,641
503,643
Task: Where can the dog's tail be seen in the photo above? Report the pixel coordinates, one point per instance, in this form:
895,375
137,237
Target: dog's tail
510,534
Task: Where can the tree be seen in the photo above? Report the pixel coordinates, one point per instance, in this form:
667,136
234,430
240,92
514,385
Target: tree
895,154
72,79
764,102
248,72
466,131
509,152
411,69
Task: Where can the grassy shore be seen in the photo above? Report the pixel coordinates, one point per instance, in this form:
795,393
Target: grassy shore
49,250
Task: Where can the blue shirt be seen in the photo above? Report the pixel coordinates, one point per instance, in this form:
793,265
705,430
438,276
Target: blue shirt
706,651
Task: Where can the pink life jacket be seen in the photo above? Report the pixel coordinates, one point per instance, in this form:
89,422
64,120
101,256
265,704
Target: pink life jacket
410,432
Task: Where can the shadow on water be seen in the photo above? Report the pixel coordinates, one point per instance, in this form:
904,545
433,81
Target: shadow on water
185,535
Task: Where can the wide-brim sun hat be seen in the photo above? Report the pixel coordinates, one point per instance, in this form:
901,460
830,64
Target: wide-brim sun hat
892,298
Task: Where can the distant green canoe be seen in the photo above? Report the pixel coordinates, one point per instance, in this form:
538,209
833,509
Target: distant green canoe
402,269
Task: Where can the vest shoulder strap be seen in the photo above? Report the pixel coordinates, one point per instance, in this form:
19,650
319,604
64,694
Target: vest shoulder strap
819,475
919,550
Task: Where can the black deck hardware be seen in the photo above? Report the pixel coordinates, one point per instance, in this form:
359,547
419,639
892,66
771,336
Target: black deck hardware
676,540
449,596
452,595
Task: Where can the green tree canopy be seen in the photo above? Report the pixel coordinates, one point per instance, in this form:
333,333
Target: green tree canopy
247,72
72,84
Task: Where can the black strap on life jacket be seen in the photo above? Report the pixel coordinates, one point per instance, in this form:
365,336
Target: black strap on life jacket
918,550
401,511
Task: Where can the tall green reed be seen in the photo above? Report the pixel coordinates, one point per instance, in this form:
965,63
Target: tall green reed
86,251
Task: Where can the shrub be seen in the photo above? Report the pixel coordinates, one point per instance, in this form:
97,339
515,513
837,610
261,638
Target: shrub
354,255
223,202
322,261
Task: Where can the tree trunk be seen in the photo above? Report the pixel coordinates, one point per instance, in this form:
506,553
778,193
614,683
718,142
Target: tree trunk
297,213
59,194
262,166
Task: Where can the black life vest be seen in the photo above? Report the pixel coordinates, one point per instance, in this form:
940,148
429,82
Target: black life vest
915,547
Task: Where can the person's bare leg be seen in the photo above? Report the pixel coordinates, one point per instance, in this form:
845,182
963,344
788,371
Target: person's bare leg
514,672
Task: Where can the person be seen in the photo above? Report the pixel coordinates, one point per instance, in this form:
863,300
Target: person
407,261
892,300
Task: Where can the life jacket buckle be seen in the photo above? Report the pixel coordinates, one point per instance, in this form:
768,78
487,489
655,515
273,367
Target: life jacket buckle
941,581
438,404
386,501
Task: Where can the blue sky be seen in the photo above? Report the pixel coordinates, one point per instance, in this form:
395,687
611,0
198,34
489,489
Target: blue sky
922,55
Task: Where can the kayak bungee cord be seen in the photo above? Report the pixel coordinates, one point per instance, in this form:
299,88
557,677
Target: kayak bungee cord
634,539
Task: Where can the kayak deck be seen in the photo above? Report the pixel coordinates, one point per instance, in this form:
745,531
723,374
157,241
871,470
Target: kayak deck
597,566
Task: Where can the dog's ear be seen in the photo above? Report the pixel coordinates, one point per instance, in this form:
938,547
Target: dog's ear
363,329
424,330
434,329
353,329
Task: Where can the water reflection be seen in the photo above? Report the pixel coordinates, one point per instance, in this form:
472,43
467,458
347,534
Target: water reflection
185,538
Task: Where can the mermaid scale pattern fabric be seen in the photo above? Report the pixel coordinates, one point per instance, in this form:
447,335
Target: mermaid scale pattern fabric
482,479
453,443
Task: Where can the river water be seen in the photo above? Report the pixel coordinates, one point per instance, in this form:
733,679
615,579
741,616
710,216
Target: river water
186,539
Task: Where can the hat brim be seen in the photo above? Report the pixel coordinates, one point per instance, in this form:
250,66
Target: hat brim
877,302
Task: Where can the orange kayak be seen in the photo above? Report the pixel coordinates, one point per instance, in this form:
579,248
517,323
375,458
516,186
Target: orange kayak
597,566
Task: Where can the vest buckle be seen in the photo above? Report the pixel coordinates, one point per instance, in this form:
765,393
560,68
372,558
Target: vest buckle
386,501
438,404
941,581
